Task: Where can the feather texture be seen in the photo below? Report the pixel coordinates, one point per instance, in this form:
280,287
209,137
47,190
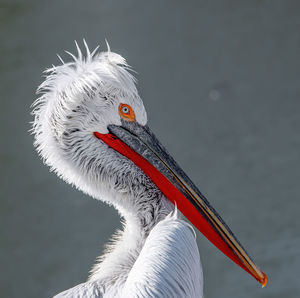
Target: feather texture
155,255
167,266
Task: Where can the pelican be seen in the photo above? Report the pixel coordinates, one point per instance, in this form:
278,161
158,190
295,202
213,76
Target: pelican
90,127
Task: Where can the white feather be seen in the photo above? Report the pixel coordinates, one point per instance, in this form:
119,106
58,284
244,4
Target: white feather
167,266
155,255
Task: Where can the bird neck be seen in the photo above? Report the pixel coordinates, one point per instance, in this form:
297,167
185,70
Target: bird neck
120,255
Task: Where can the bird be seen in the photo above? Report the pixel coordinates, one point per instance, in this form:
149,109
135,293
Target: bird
90,127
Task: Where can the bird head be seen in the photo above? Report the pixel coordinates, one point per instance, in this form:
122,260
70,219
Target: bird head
91,128
78,98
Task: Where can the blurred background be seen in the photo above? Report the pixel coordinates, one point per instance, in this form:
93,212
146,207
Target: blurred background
220,82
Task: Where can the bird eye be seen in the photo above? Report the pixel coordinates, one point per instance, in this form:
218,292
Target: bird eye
126,112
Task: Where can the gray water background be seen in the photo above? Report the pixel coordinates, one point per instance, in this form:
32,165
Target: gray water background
220,81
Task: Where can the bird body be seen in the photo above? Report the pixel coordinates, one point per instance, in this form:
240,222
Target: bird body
91,128
166,265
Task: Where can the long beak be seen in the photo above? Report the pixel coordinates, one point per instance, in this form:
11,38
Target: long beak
140,145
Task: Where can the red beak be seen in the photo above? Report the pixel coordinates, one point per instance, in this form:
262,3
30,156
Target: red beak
139,144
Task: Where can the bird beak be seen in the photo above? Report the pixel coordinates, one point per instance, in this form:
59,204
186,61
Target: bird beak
139,144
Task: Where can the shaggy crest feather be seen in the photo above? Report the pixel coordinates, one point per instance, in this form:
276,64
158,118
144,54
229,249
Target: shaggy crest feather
66,86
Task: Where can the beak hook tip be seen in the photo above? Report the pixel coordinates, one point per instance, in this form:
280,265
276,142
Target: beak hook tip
264,280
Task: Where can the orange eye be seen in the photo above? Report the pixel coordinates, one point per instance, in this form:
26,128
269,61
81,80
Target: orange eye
126,112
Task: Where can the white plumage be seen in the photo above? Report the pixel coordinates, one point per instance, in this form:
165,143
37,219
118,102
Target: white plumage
156,253
168,265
